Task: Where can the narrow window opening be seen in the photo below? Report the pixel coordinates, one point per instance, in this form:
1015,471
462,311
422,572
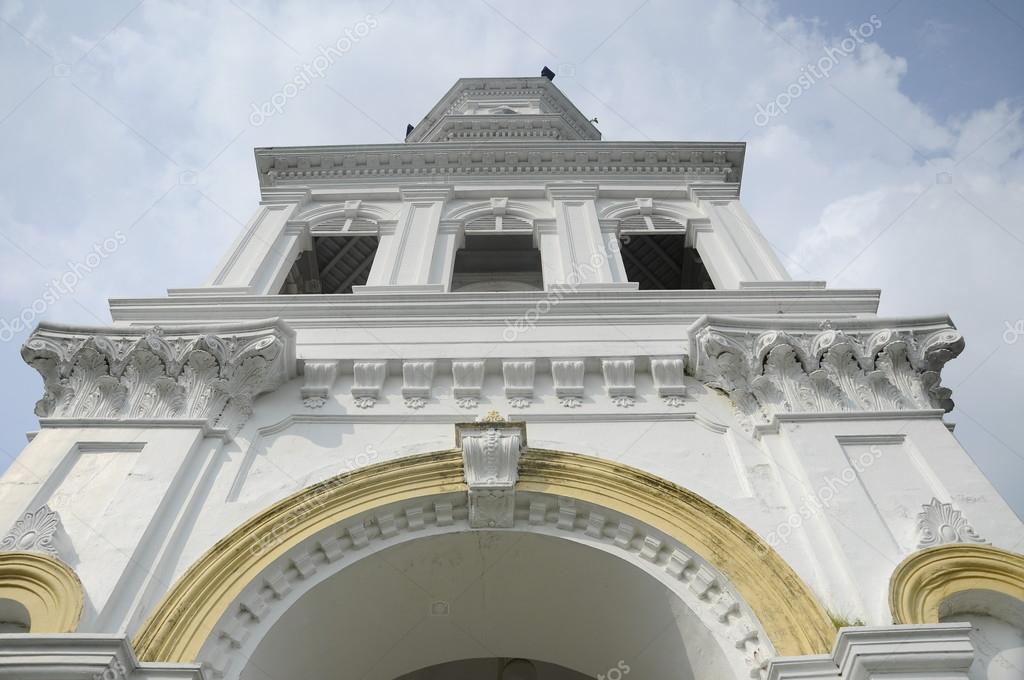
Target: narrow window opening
492,262
663,262
335,264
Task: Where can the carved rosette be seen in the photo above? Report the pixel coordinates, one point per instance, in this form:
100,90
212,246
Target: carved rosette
490,453
152,373
868,366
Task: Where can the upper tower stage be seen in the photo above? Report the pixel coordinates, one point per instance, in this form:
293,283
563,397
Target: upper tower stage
486,129
503,109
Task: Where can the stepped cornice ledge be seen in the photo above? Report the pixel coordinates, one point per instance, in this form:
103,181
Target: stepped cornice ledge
209,374
711,162
419,309
782,366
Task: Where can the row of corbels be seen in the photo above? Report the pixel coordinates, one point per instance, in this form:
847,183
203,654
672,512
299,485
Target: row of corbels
519,376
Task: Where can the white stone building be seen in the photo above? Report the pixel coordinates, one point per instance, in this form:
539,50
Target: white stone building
505,401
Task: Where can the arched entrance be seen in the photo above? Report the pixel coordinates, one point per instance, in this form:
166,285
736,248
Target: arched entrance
737,600
490,595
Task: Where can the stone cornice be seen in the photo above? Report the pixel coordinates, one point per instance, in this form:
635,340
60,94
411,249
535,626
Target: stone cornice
783,366
291,168
209,374
440,309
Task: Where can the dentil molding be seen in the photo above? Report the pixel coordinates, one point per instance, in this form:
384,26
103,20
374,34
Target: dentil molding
799,366
120,374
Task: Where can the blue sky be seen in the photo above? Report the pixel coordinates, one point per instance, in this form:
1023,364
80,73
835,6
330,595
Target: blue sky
901,170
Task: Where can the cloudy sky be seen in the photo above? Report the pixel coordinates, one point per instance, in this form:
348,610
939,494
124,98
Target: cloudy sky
129,127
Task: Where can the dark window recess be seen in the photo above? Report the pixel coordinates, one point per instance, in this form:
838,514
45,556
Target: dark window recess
497,263
335,264
663,262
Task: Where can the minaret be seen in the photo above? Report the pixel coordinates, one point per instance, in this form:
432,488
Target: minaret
503,400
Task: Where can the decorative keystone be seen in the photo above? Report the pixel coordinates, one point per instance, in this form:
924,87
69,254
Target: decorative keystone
490,456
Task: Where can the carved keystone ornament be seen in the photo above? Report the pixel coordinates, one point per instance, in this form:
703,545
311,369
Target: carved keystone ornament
490,456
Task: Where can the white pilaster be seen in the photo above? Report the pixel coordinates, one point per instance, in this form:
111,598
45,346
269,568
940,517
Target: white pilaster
584,258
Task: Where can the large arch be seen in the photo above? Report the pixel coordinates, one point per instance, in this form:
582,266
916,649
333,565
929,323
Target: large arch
728,559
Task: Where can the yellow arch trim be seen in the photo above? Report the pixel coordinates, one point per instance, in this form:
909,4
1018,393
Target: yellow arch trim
791,615
46,587
923,581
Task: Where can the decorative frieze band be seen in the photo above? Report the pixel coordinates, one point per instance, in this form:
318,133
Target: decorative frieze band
518,380
153,373
720,166
799,367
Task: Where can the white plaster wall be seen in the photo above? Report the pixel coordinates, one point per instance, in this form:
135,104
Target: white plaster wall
138,518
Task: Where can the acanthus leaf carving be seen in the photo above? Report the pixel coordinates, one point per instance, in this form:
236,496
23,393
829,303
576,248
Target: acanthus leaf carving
867,366
490,453
129,374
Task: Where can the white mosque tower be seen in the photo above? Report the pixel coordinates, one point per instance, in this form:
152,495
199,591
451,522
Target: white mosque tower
504,401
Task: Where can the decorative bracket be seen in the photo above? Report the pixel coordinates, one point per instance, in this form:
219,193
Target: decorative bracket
619,380
367,381
490,457
567,374
319,376
468,382
799,366
667,373
210,374
518,374
417,377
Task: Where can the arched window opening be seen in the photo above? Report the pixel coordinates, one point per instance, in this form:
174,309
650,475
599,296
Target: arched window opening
14,618
497,262
997,631
663,262
334,265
